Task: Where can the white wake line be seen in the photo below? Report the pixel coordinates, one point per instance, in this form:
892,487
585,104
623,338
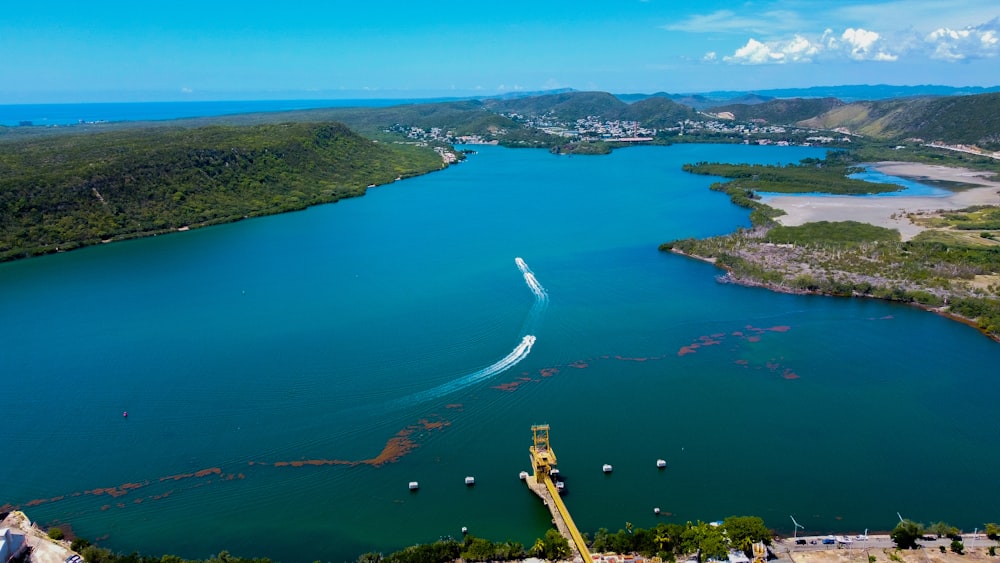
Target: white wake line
519,352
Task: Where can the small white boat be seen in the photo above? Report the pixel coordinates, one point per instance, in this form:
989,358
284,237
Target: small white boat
554,473
607,468
561,487
523,475
470,480
656,511
414,485
661,463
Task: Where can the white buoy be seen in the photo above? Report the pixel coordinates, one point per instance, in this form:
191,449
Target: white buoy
470,480
414,485
661,463
523,475
656,511
607,468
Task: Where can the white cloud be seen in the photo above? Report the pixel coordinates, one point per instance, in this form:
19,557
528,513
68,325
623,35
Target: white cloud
710,56
856,44
978,42
864,45
186,90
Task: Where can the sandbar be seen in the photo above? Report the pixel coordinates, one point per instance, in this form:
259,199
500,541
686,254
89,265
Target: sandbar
891,211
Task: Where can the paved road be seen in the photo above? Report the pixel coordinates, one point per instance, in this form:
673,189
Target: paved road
786,545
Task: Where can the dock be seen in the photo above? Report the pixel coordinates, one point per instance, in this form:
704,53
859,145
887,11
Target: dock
543,461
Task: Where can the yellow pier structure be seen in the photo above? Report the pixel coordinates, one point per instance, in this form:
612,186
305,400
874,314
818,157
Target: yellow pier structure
543,461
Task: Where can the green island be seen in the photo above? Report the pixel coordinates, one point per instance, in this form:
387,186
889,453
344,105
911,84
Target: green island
951,267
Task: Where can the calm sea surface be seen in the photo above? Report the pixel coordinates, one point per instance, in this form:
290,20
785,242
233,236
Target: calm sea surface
270,367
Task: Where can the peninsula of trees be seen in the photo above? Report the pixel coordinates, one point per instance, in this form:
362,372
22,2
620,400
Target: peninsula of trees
59,192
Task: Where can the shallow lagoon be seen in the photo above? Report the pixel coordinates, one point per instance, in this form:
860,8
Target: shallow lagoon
269,366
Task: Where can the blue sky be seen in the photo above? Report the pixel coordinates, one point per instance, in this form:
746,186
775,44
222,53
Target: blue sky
61,51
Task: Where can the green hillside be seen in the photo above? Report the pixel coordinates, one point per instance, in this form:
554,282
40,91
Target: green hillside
780,112
973,120
568,106
63,191
658,112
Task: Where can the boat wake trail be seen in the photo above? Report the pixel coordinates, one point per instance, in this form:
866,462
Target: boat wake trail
519,352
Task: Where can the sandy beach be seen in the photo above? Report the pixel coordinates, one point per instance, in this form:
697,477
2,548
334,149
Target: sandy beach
891,212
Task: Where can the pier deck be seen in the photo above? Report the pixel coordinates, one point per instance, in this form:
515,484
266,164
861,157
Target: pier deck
560,516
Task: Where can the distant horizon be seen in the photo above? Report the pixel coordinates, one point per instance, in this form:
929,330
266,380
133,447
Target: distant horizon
66,52
443,96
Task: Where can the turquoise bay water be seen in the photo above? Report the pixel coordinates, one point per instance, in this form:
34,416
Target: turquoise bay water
316,336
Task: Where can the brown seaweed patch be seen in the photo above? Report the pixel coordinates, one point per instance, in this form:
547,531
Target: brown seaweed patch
120,504
548,372
105,507
789,374
137,501
685,350
628,359
395,448
511,386
118,491
780,328
201,473
454,406
753,339
579,364
743,363
162,496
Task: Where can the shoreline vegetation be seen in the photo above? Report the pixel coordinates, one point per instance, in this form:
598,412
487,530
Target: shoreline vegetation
670,542
61,192
939,253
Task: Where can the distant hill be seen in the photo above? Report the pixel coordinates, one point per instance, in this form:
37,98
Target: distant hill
697,101
658,112
65,191
780,111
568,106
847,93
953,119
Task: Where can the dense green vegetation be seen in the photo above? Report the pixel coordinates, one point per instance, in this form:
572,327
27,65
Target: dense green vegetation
810,175
668,541
952,119
936,269
783,111
61,192
843,233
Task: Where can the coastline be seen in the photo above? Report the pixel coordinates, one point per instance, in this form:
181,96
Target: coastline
890,212
734,278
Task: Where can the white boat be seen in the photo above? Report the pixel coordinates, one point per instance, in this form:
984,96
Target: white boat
523,475
661,463
414,485
561,487
470,480
607,468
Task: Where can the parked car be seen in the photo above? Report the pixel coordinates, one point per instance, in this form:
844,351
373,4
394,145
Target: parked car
800,542
829,541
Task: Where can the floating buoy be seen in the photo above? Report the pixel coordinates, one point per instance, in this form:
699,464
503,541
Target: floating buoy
607,468
523,475
661,463
470,481
414,485
656,511
125,414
